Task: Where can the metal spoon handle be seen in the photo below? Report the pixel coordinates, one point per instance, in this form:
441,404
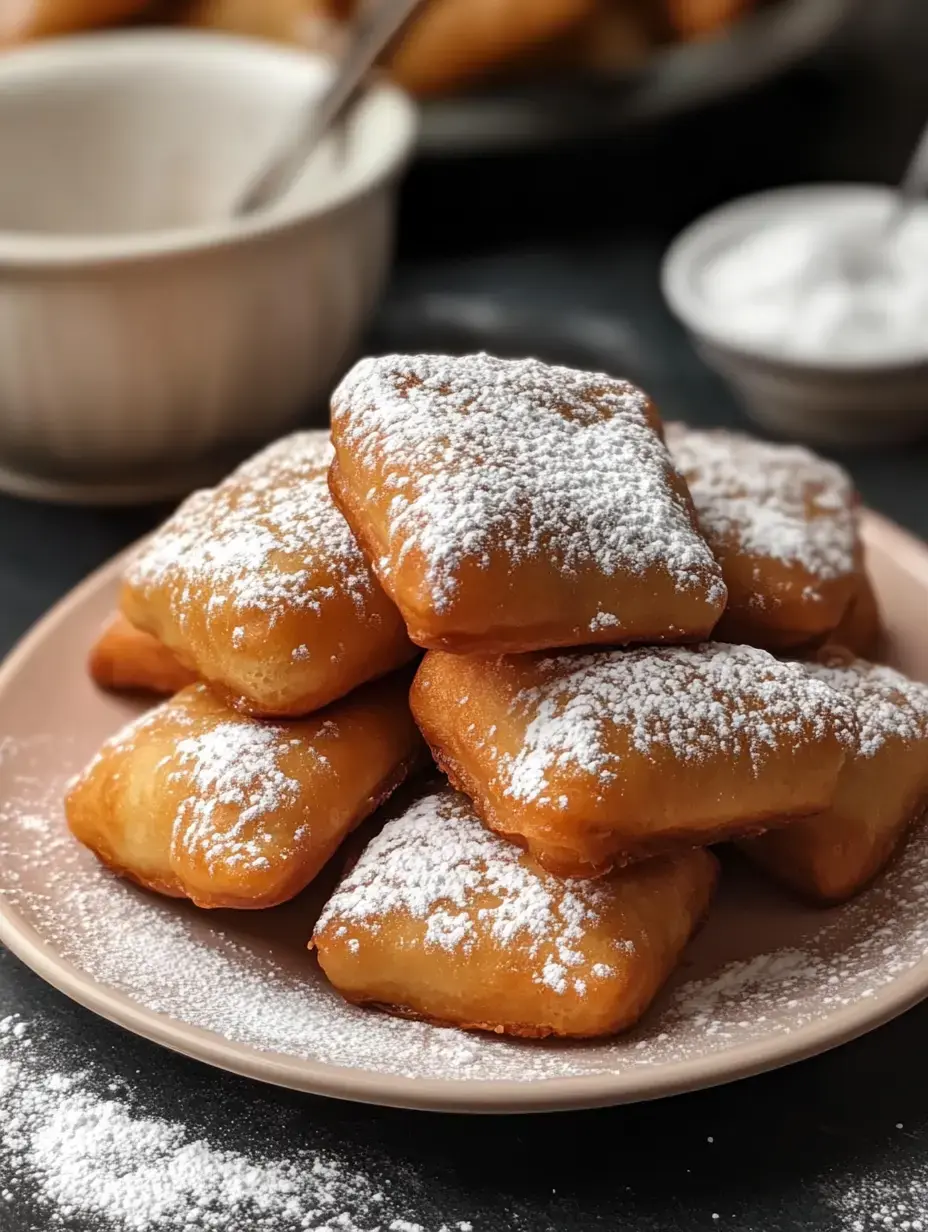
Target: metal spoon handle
912,186
380,24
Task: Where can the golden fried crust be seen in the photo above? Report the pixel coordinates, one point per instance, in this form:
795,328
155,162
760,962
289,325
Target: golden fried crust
782,524
600,759
41,18
454,41
860,630
124,658
196,800
260,587
442,920
511,506
882,789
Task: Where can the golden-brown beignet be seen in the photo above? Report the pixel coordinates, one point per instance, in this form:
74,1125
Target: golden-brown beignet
196,800
693,19
440,919
861,628
782,524
509,505
881,790
454,41
260,587
597,759
32,19
125,658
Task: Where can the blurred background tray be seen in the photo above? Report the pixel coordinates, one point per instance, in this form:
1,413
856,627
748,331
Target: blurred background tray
676,78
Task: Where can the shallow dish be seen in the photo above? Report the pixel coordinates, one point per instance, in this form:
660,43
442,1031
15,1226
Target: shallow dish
767,982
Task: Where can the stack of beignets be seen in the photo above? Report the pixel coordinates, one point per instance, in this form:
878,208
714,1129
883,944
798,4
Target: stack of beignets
528,527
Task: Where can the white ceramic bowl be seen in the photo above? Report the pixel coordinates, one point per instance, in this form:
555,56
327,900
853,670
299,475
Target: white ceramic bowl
144,336
837,399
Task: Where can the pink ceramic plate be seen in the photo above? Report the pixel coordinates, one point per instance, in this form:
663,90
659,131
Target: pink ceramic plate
766,982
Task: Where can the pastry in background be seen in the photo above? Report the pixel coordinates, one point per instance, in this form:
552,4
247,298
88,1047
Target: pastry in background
259,585
305,23
194,800
782,523
442,920
598,759
453,42
882,788
125,658
22,20
693,19
509,505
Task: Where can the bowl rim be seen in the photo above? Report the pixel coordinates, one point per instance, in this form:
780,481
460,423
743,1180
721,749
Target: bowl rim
57,57
691,245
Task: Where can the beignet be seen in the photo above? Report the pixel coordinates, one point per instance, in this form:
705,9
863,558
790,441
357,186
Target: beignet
509,505
196,800
258,584
440,919
782,524
599,759
881,790
125,658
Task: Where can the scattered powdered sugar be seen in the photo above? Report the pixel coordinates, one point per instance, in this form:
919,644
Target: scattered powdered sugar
781,502
887,1200
269,539
484,456
887,704
436,862
79,1154
698,702
248,977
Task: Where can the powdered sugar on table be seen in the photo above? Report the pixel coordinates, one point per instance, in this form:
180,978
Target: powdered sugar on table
487,457
780,502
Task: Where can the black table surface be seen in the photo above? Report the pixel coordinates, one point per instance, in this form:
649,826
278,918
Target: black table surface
495,261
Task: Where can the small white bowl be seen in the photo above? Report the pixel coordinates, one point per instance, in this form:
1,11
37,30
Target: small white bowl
837,399
144,333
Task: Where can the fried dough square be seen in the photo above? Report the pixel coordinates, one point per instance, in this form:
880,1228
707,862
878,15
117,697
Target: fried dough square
259,586
882,789
442,920
195,800
124,658
598,759
782,523
510,506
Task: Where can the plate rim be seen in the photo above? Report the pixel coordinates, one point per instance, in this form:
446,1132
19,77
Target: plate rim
470,1095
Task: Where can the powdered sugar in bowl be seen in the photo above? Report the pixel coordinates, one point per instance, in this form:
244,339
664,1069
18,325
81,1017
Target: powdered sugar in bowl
813,350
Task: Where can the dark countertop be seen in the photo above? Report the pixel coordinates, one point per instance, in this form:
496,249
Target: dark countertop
759,1156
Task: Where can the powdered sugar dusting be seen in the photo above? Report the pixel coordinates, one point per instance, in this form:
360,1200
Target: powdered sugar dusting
781,502
887,704
269,540
252,981
69,1145
711,700
435,860
485,456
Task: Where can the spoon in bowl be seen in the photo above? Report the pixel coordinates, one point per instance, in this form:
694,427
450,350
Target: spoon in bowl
378,26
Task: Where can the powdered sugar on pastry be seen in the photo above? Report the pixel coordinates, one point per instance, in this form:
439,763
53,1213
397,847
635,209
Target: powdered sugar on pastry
695,701
254,539
485,455
233,765
888,705
781,502
436,861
